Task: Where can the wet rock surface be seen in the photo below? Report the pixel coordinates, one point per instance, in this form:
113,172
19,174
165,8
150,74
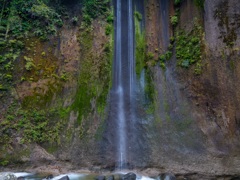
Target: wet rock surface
49,177
117,176
110,178
129,176
100,178
166,176
64,178
7,176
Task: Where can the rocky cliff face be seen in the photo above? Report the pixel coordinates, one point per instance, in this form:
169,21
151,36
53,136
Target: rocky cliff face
195,126
198,111
55,102
214,91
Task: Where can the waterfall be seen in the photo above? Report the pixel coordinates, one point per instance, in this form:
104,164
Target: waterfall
131,50
121,121
124,79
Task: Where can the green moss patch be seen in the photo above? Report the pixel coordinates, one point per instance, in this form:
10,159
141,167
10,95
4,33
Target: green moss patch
32,125
95,75
140,44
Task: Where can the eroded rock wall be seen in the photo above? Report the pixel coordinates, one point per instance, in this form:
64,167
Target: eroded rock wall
197,115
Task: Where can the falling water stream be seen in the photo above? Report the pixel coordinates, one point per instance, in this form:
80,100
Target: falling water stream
118,78
124,77
131,51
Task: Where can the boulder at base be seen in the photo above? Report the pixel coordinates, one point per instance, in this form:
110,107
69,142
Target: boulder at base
64,178
7,176
100,178
129,176
166,176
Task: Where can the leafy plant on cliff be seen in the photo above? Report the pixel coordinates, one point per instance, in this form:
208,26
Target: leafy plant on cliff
163,58
21,16
31,125
177,2
199,3
109,29
140,44
29,63
188,47
93,9
19,20
138,15
174,20
8,56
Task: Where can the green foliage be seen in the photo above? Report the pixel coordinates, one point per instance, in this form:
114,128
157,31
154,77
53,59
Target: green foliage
188,47
109,29
43,53
198,68
174,20
140,45
199,3
109,26
93,86
163,58
74,20
20,19
150,60
7,59
29,63
172,39
138,15
95,77
8,77
64,76
150,56
150,91
168,55
170,47
1,87
95,8
33,125
177,2
110,18
2,29
21,16
4,162
41,10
